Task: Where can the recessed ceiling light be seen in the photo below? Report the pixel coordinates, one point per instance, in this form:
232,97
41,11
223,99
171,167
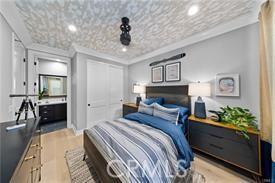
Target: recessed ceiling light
124,49
72,28
193,10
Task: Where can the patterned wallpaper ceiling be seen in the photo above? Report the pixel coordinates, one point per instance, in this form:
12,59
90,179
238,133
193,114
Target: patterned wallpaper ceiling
155,23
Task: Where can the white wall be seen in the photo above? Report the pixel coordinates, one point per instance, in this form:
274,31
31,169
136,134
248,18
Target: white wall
5,70
232,52
74,91
52,67
79,87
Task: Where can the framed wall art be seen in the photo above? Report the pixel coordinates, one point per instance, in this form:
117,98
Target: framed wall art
173,72
227,85
157,74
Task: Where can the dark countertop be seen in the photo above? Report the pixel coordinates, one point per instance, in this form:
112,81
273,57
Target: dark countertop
13,145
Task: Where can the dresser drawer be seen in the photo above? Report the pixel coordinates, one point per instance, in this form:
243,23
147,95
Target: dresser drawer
237,153
24,173
223,133
36,167
45,113
46,107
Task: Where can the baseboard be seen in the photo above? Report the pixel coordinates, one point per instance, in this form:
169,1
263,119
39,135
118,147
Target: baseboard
77,132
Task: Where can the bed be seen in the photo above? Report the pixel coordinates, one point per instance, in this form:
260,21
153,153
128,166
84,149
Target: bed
140,147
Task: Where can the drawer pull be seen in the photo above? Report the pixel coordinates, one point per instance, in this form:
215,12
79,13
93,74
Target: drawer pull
37,168
216,136
34,145
29,158
217,147
45,112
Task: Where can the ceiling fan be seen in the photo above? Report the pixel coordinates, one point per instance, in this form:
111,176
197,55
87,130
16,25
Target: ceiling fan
125,37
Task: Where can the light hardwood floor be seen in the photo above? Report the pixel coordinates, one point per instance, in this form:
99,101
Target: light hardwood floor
55,170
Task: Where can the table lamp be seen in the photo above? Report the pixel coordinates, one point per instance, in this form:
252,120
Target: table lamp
199,90
138,89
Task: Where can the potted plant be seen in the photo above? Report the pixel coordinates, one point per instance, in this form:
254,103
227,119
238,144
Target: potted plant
40,95
241,118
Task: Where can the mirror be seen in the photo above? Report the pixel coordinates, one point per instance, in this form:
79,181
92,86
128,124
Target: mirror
52,86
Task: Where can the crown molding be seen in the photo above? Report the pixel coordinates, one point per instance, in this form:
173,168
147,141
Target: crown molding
9,11
88,51
47,49
234,24
47,56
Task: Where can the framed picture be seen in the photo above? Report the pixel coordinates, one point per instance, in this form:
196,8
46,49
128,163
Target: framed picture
227,85
157,74
173,72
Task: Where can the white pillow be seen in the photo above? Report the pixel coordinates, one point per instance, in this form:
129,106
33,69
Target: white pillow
146,109
169,114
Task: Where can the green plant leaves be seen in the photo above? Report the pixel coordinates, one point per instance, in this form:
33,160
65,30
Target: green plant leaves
239,117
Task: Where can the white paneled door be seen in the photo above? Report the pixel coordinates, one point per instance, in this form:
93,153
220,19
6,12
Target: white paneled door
104,92
97,92
116,91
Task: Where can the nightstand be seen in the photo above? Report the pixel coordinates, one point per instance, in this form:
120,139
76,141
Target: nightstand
129,108
224,142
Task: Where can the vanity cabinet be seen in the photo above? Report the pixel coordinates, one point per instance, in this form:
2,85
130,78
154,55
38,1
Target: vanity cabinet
53,112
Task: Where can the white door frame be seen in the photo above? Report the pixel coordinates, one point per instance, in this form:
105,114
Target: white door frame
32,56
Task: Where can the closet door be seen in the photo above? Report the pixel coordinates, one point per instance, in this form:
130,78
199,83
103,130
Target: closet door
97,92
115,91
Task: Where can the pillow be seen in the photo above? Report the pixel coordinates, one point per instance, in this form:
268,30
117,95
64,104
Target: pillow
146,109
182,110
165,113
150,101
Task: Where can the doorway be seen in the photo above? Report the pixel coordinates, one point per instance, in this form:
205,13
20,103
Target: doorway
38,64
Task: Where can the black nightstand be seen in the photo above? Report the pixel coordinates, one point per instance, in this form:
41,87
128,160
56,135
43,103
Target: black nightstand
223,141
129,108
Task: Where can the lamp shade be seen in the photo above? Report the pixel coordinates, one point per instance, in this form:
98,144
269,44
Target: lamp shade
199,89
139,89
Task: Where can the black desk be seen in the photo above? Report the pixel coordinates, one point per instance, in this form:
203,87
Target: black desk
13,145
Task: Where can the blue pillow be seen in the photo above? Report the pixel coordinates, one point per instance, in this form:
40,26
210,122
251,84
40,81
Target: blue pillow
158,100
182,110
183,119
165,113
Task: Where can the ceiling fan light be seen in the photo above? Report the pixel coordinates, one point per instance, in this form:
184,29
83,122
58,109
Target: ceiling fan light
124,49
